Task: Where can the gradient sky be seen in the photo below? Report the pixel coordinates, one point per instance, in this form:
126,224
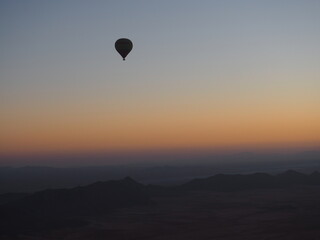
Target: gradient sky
202,75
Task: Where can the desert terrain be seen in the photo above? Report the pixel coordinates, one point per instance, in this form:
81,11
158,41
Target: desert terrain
286,213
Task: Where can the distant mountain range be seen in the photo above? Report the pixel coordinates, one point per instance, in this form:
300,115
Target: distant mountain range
236,182
36,178
49,209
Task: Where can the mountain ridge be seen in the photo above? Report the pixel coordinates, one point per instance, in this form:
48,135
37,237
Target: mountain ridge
58,208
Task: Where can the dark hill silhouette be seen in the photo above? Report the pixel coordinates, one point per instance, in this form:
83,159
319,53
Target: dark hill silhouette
66,207
292,177
314,178
9,197
236,182
231,182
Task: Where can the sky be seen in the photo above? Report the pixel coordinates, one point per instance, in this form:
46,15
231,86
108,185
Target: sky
221,75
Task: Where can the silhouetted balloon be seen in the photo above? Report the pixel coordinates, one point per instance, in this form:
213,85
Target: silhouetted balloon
123,47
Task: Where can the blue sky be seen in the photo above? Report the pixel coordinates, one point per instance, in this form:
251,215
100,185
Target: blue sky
199,68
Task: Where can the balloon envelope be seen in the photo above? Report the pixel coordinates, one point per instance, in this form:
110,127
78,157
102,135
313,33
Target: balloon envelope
123,47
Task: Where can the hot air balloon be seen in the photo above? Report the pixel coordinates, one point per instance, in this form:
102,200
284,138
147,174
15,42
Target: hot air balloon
123,47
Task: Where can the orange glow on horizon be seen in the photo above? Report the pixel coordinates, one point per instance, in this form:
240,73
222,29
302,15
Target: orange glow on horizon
166,129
